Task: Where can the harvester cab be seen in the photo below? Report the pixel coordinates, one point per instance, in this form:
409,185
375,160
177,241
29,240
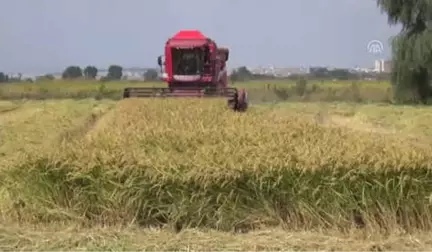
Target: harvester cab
193,66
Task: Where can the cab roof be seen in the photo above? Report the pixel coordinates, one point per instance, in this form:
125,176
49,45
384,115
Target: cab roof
189,34
188,39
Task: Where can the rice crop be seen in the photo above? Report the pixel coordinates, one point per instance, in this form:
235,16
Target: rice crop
194,163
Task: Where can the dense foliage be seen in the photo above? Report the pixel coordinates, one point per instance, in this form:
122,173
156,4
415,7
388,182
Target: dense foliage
412,48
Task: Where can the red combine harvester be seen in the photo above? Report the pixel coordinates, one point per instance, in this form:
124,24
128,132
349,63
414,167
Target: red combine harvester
194,66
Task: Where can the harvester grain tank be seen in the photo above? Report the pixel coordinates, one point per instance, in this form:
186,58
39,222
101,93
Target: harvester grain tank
193,66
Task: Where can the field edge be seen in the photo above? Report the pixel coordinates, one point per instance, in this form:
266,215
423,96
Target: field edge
70,237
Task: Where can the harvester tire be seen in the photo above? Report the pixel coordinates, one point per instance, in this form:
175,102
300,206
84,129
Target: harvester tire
126,93
242,101
239,102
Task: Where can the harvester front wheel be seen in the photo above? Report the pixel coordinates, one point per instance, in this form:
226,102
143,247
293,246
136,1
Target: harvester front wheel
242,101
126,93
239,102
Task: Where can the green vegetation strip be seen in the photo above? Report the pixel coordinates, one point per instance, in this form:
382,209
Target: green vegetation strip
305,199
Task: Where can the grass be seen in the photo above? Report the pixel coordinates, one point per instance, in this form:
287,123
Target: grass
300,167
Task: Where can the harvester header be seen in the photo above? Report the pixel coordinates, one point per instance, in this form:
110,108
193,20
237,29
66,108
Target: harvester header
194,66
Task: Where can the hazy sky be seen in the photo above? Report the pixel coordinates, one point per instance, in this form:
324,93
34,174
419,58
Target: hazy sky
41,36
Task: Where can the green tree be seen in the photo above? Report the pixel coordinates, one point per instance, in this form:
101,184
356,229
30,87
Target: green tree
233,76
90,72
151,75
319,72
244,72
241,74
49,77
411,50
72,72
46,77
115,72
3,77
301,86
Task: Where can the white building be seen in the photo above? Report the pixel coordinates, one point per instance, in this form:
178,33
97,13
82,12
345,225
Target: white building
382,66
379,65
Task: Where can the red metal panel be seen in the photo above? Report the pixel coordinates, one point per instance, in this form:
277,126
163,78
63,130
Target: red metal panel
186,43
168,64
189,34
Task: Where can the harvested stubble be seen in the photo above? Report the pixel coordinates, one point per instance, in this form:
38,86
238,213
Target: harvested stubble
58,237
196,163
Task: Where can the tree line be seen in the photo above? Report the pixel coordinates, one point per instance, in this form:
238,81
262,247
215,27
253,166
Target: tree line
115,72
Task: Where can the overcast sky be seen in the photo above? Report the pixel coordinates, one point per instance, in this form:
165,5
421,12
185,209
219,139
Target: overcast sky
42,36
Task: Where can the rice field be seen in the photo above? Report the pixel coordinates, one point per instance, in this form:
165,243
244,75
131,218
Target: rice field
192,175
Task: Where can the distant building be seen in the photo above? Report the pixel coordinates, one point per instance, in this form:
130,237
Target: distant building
378,64
279,71
387,66
382,66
